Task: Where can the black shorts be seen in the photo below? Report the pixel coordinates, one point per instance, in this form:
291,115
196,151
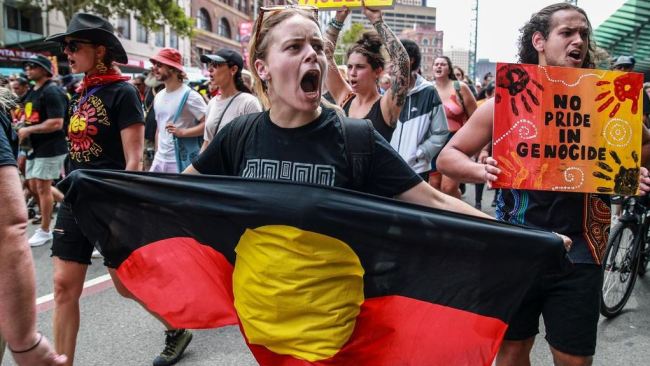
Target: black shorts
69,242
569,304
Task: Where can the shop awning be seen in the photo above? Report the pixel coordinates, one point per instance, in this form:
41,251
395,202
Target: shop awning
627,32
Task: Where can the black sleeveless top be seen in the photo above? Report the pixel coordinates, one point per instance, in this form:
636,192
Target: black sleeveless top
376,117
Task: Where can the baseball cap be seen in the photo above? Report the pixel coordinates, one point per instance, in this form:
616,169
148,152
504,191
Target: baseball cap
224,55
624,60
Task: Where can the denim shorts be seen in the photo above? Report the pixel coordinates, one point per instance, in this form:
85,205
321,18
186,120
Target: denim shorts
45,168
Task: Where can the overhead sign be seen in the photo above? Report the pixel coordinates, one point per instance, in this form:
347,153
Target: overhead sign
567,129
338,4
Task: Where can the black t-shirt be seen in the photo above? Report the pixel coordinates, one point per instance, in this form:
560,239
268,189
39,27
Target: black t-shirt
314,153
42,104
8,141
94,123
646,103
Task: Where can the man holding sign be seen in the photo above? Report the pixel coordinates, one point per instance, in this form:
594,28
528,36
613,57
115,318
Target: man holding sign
558,35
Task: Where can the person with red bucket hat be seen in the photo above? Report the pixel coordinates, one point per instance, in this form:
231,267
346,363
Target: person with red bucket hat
180,115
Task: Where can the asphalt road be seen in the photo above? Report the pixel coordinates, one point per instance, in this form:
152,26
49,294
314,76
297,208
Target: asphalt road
116,331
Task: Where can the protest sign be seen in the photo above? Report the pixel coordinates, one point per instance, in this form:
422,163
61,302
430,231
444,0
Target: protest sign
339,4
567,129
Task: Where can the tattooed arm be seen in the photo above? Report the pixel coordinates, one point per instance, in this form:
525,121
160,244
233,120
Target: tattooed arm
337,86
394,98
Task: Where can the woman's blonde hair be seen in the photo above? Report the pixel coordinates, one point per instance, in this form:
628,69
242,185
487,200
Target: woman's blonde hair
258,48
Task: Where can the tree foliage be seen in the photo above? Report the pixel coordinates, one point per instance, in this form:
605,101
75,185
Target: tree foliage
346,40
150,13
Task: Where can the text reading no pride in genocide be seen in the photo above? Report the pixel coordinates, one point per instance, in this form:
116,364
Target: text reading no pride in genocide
567,117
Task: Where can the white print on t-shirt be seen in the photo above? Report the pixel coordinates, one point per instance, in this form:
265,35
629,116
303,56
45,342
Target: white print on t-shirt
289,170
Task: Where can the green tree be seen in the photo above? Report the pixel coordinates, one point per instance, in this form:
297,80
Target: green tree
148,12
348,38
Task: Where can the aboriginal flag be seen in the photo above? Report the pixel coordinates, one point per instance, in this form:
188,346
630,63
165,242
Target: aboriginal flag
313,275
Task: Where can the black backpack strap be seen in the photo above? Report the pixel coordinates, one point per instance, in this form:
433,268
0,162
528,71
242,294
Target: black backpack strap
359,148
239,131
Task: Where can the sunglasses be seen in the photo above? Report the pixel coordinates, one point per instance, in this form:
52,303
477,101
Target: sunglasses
278,9
73,45
31,65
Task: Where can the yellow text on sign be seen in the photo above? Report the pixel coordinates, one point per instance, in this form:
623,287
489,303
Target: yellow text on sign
338,4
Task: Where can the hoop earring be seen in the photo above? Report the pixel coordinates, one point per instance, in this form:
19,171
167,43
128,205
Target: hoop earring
101,68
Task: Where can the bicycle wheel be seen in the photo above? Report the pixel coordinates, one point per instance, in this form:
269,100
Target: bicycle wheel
620,268
644,258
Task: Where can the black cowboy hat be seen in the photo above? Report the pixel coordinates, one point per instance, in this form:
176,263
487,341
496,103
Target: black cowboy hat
95,29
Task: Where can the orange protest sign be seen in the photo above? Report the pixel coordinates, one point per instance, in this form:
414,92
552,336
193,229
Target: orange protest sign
567,129
338,4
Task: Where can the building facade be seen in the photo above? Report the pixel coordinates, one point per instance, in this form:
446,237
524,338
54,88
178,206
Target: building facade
401,16
218,25
430,42
458,57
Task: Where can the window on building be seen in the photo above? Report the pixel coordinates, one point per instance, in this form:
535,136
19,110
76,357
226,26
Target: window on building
26,19
224,28
142,34
173,39
203,20
425,42
160,37
124,27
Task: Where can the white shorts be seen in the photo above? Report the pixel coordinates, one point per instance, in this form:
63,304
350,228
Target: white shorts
158,166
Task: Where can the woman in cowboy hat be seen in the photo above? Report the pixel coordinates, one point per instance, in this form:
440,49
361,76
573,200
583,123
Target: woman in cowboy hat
105,130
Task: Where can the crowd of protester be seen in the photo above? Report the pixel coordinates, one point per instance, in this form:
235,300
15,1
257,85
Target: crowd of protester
427,138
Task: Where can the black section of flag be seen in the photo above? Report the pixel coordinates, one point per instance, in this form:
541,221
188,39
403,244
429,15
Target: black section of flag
432,255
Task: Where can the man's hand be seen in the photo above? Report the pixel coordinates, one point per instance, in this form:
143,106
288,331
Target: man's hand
342,14
566,241
23,133
644,181
373,15
491,170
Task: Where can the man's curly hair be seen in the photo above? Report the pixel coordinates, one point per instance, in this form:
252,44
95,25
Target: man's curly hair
542,22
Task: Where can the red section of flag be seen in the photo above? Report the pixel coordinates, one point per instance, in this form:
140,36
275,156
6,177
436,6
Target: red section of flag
396,330
189,273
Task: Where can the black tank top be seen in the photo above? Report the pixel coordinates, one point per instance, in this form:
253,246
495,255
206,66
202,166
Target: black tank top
376,117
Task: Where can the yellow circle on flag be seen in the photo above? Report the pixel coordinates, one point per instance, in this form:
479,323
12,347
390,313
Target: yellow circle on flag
297,292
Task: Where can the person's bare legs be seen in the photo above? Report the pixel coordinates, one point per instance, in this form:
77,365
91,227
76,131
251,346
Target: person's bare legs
515,353
565,359
124,292
435,179
57,195
450,187
45,201
68,283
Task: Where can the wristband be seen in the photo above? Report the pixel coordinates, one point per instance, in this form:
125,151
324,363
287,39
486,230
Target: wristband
40,338
336,24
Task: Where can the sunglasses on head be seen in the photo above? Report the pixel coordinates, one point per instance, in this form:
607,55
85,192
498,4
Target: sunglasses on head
73,45
31,65
277,9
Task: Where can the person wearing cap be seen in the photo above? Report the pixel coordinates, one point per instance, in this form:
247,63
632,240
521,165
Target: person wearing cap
105,130
626,64
44,109
177,108
225,68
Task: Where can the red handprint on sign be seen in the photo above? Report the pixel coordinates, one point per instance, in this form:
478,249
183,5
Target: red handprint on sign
626,86
515,79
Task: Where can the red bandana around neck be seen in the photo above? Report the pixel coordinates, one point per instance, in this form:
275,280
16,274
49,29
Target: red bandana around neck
109,77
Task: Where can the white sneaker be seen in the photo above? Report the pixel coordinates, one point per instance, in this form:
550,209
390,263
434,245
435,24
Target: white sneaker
39,238
96,254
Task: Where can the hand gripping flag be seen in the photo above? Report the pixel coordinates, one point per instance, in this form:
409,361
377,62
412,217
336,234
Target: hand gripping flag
313,275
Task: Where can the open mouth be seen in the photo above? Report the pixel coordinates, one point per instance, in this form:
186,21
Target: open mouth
310,81
575,55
